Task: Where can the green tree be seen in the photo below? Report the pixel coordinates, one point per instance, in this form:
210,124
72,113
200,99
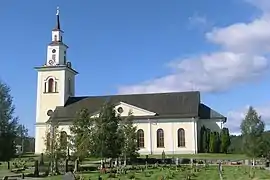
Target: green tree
22,134
129,137
205,137
252,128
106,133
81,134
212,142
217,142
54,149
225,140
8,124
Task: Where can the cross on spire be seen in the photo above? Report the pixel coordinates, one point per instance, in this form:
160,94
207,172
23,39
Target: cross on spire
57,27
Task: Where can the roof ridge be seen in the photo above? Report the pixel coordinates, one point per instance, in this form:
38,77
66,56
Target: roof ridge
161,93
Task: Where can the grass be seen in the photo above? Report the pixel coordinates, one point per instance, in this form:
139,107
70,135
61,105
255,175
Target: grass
210,173
204,156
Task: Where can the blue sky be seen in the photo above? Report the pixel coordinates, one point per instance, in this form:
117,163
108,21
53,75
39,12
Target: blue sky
215,46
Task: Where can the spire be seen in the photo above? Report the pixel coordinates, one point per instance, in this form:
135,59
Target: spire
57,27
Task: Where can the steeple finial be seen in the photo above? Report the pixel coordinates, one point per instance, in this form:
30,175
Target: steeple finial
57,11
57,27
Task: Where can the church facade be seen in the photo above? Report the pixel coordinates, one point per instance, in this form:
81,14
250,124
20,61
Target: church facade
169,122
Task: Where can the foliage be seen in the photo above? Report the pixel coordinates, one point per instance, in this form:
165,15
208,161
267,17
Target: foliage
224,140
106,133
53,142
128,137
252,128
8,124
205,139
22,134
81,130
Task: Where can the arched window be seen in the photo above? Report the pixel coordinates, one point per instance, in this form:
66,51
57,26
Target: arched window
140,138
50,85
55,37
181,137
63,140
48,141
160,138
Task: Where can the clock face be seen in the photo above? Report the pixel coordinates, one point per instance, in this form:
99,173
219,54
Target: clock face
51,62
53,51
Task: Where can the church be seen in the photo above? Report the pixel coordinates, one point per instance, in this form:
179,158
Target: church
168,122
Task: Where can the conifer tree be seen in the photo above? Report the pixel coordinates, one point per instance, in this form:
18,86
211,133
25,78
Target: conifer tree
8,124
252,128
129,136
225,140
81,134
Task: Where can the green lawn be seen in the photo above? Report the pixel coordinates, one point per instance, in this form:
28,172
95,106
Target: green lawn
204,156
210,173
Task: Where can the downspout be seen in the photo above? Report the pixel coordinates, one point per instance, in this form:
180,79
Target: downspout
151,140
173,138
195,135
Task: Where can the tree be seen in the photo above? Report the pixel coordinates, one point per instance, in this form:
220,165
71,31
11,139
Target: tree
54,148
8,124
252,128
81,132
22,134
129,136
212,142
106,133
225,140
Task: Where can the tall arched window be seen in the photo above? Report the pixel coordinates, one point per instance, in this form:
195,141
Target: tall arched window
55,38
140,138
160,138
50,85
181,137
63,140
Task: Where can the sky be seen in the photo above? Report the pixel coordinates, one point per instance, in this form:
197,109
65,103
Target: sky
218,47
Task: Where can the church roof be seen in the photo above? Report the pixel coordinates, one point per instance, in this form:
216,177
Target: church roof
165,105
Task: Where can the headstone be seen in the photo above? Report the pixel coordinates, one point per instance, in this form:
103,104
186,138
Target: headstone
76,166
69,176
247,162
177,161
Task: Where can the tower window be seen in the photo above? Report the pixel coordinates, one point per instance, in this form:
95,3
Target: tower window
55,38
50,86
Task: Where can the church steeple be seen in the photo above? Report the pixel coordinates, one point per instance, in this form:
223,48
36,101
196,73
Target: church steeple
57,49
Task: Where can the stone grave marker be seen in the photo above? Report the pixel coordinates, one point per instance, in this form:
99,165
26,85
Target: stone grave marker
69,176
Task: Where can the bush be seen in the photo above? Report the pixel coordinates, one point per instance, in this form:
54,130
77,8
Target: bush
131,176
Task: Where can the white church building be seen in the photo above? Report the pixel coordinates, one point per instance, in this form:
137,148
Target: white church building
169,122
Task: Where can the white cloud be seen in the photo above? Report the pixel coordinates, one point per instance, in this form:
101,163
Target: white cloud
197,20
235,117
208,73
241,58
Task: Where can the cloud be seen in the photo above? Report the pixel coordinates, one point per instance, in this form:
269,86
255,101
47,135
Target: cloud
235,117
197,20
208,73
241,58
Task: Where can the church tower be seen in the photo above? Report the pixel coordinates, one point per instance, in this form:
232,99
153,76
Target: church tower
55,84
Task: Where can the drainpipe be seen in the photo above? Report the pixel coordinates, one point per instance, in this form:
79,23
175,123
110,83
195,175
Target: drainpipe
195,135
151,140
173,138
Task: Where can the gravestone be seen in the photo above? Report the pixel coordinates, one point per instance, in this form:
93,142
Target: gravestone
69,176
177,161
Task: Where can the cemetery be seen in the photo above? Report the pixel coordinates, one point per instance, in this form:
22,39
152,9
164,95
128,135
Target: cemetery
157,168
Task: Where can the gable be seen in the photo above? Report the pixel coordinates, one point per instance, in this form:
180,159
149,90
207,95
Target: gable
123,109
